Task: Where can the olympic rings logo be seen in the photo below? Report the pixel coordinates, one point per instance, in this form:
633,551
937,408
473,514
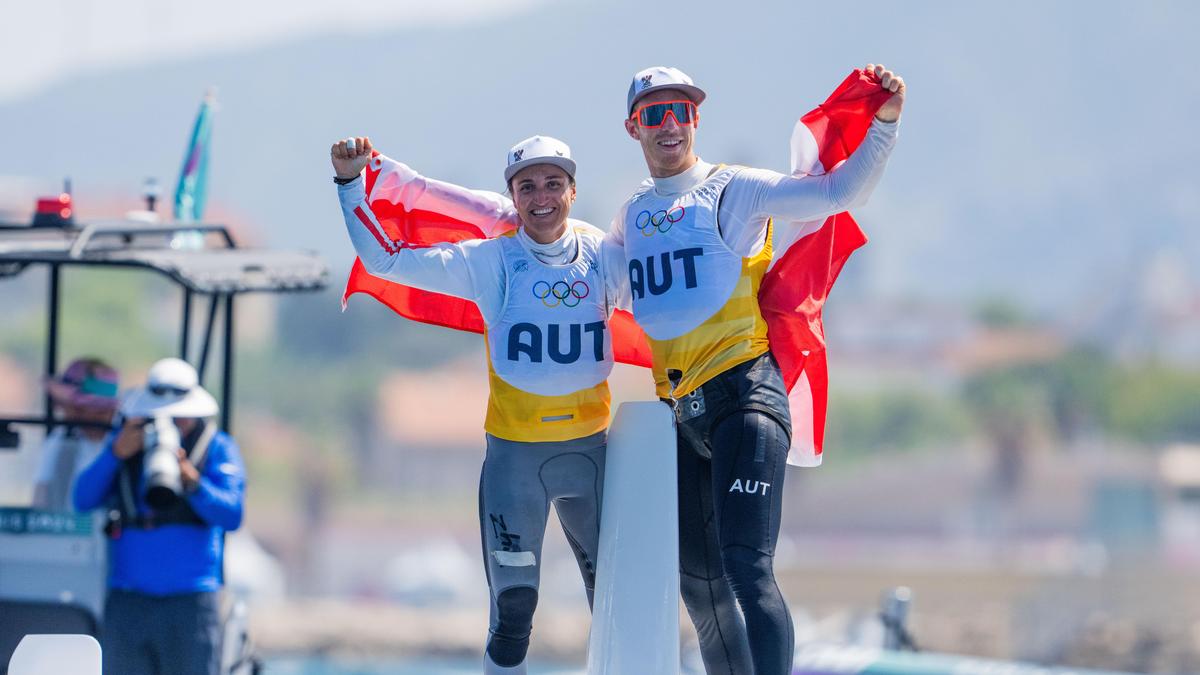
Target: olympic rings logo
561,293
660,220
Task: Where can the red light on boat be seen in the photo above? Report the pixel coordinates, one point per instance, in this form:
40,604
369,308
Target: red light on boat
54,204
54,211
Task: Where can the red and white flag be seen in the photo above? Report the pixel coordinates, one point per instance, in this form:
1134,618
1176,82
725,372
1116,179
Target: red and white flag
808,258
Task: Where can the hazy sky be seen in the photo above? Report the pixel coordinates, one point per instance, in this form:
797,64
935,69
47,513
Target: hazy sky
1038,137
70,36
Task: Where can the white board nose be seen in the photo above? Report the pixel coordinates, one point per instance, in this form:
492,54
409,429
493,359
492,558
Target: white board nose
56,655
635,624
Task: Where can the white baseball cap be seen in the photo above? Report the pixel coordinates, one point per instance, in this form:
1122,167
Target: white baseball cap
661,77
539,150
172,388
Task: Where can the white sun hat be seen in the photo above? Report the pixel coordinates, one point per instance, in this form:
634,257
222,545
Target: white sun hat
661,77
173,389
539,150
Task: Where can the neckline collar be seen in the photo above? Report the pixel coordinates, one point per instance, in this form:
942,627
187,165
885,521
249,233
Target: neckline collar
682,182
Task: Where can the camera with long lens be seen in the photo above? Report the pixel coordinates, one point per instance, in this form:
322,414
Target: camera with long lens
161,479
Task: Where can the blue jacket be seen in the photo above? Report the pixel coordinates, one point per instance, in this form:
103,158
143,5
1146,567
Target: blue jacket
171,559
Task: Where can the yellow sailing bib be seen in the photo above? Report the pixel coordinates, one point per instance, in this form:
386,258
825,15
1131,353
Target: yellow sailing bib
694,296
550,352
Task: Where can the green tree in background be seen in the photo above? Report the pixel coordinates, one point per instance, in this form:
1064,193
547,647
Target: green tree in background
1154,403
1000,313
1009,404
863,423
1085,390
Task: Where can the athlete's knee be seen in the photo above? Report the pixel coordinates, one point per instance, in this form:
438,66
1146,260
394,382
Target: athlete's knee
714,612
750,573
514,621
706,600
696,592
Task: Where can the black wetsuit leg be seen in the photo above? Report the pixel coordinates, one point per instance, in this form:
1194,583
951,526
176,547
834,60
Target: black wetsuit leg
749,460
732,460
706,593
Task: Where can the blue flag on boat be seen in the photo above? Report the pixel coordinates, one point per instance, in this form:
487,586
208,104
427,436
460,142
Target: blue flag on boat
193,178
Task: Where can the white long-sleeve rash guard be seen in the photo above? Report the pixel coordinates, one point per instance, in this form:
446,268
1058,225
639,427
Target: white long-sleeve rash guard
473,269
755,195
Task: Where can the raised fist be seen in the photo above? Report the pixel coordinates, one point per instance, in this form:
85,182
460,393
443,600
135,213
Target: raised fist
350,156
890,111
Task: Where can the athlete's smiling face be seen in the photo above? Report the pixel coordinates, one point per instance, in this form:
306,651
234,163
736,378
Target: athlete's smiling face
542,195
669,148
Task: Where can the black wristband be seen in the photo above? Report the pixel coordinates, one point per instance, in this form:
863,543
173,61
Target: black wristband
344,181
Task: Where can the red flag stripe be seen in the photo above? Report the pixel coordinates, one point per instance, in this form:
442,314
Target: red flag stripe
366,221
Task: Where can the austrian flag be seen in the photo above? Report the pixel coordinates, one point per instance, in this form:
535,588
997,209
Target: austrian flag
808,258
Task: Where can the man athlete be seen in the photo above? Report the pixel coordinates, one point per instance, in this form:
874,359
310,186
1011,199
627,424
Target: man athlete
697,241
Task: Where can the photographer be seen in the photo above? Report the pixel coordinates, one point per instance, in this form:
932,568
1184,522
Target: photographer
174,485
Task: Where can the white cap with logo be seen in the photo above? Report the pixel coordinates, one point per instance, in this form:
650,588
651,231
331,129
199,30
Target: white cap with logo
661,77
539,150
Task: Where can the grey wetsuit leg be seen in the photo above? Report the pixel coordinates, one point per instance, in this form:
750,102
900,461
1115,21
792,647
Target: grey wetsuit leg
575,479
518,482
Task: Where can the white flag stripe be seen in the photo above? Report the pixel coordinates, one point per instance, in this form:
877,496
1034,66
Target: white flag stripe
806,154
782,238
804,445
806,161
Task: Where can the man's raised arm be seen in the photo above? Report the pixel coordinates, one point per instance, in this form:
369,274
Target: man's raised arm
804,198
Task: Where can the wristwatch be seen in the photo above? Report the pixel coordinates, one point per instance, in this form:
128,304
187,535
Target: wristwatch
344,181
